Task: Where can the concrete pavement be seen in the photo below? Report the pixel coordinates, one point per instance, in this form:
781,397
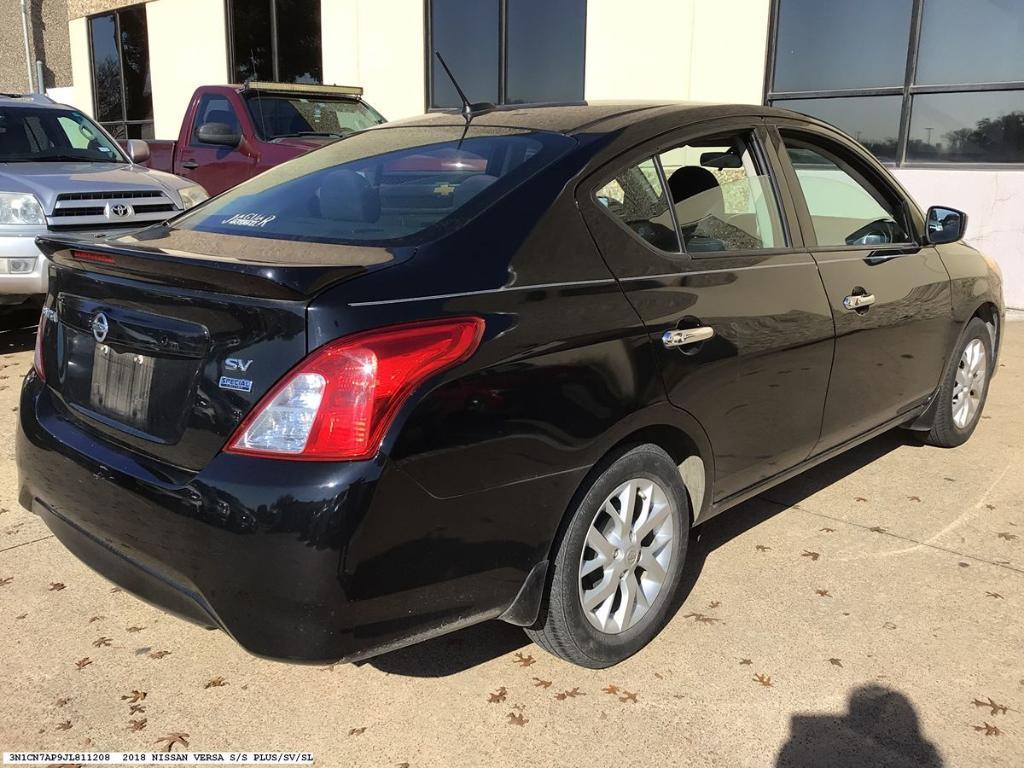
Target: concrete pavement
867,613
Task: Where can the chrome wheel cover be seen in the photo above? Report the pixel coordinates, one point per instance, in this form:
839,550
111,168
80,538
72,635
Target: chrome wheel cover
626,556
969,384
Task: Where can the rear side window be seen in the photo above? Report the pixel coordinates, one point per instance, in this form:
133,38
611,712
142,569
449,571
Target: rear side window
637,198
845,208
392,185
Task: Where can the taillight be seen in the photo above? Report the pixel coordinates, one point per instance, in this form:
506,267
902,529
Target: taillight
37,358
95,258
338,402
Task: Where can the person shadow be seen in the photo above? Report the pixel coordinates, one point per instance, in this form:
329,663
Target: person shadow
880,730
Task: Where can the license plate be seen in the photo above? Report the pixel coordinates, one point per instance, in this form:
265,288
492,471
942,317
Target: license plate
121,382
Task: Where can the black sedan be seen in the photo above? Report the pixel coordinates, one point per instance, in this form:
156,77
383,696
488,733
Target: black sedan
494,365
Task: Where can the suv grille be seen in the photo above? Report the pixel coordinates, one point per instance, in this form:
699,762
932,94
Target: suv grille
102,210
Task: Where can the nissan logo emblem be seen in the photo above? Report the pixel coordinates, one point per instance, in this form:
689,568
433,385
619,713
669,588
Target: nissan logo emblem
118,210
100,327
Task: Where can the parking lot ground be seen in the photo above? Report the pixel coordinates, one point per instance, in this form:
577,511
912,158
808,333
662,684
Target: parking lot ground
868,613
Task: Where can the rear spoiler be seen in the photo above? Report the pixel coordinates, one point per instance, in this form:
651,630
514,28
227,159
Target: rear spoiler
245,278
304,88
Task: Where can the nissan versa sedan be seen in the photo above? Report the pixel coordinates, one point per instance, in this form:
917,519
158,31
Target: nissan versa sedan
491,365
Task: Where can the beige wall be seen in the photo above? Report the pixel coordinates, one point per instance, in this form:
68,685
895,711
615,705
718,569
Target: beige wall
378,45
701,50
187,48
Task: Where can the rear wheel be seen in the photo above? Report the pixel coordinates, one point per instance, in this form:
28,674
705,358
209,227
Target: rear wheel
961,396
616,569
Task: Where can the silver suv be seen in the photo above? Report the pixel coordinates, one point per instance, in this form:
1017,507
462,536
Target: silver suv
61,172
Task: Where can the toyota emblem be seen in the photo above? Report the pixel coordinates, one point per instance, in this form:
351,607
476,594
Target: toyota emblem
100,327
118,210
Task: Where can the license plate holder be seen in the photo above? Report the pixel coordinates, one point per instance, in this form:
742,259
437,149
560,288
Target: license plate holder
121,384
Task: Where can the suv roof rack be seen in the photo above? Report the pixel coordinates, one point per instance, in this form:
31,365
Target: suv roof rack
36,98
340,90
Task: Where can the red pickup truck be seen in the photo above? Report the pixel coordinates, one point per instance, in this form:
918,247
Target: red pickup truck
232,132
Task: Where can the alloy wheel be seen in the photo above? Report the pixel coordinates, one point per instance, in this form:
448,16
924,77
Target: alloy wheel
969,384
626,556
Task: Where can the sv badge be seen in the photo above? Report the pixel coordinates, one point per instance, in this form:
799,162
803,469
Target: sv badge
235,364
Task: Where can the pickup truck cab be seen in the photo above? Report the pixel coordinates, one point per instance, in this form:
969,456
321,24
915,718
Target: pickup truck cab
61,173
230,133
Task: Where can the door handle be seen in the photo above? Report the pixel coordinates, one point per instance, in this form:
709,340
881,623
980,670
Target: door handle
682,337
189,165
859,301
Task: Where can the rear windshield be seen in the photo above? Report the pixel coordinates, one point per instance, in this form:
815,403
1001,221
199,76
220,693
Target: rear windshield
388,185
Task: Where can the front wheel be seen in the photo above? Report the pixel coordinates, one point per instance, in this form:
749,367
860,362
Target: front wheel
617,567
961,396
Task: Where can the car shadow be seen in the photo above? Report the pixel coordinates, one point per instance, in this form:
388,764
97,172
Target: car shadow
18,330
466,648
880,729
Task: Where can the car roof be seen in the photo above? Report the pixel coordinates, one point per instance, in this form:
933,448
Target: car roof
590,117
28,100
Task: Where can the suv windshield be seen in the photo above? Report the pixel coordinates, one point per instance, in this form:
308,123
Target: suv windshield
276,116
389,185
35,135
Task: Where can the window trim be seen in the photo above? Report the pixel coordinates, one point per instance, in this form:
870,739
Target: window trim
652,148
429,60
124,122
851,162
275,65
908,90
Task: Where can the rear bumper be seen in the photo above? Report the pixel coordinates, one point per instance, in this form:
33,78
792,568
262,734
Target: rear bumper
301,561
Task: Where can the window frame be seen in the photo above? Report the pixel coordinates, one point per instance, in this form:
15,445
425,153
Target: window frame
907,91
860,165
430,61
767,160
275,64
124,122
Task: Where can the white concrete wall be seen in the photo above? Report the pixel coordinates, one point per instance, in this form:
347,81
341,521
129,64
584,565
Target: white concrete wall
380,46
81,71
187,48
993,201
701,50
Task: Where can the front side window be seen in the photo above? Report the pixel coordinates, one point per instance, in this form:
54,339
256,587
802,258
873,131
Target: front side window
722,200
122,91
28,134
215,109
393,186
845,208
637,198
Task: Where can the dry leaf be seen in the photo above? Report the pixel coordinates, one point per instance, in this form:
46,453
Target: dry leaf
997,709
83,663
135,629
136,709
134,696
859,499
913,498
1007,536
216,682
159,654
889,625
835,662
990,730
523,661
498,696
877,529
745,662
538,683
762,548
813,555
137,725
764,680
700,618
56,586
713,604
96,618
994,594
170,740
515,718
822,593
102,642
356,731
827,530
569,694
627,696
612,689
65,726
6,580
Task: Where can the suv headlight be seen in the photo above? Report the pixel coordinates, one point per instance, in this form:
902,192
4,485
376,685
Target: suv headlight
192,196
20,208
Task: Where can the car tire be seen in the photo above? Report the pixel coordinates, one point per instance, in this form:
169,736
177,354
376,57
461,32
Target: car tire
630,581
961,396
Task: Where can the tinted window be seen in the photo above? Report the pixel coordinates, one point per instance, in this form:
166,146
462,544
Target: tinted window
834,44
545,50
138,92
394,185
873,120
983,127
845,208
39,135
276,116
722,201
975,42
216,109
299,44
453,24
637,198
106,68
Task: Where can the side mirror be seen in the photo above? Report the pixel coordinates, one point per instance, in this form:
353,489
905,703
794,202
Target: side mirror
220,134
138,150
945,225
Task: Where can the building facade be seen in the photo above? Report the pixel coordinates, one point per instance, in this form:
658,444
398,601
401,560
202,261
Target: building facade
934,87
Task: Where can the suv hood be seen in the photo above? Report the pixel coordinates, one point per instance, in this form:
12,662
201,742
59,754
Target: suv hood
48,180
